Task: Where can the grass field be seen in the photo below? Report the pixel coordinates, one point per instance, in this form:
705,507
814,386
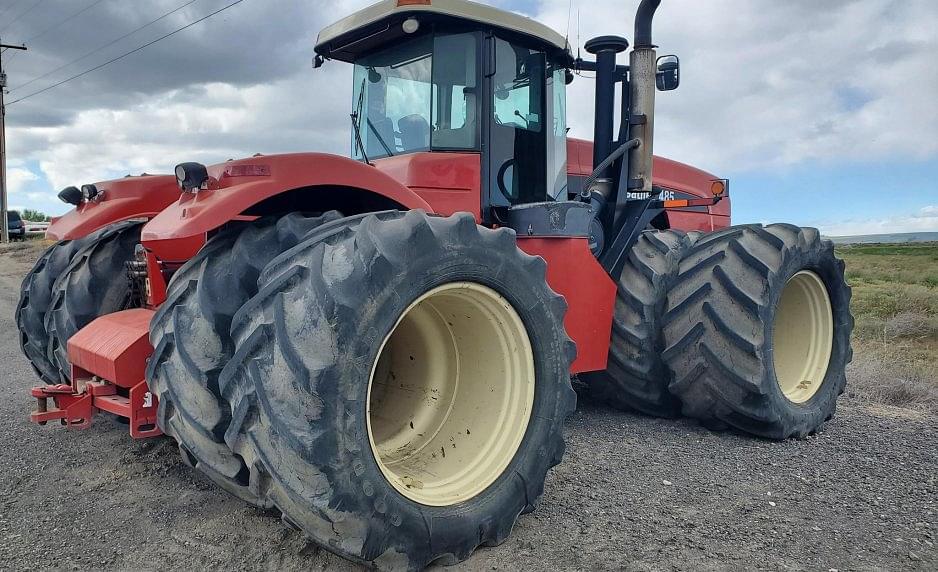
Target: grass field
895,303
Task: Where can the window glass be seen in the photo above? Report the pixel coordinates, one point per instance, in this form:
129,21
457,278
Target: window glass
518,136
557,146
456,97
391,99
417,94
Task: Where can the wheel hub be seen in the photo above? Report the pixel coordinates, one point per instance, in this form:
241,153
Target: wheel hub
803,336
451,394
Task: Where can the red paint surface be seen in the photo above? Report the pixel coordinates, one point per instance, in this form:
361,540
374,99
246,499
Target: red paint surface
114,347
175,250
123,199
228,196
667,173
449,182
574,273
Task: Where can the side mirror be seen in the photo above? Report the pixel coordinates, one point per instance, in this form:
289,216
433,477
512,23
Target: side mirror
668,76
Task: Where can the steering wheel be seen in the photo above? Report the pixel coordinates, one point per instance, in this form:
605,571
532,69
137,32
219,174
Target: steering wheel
500,178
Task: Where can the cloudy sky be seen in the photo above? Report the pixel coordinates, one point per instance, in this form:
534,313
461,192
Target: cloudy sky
821,112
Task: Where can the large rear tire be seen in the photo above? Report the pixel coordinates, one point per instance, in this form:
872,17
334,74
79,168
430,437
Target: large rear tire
399,387
758,330
636,377
35,298
94,283
192,341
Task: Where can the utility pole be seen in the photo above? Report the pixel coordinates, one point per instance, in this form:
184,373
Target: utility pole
4,222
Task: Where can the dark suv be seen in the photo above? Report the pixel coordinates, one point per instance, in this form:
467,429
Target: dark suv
15,226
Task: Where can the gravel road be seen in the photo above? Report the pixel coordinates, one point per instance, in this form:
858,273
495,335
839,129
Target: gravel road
633,493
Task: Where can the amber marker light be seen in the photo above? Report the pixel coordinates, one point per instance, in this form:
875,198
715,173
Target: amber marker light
717,188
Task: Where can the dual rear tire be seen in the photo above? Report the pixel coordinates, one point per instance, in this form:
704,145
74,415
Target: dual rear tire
748,327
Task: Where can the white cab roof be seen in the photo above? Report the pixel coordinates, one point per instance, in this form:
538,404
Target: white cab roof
458,9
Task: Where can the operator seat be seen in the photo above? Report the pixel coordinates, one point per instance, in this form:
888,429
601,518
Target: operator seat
415,132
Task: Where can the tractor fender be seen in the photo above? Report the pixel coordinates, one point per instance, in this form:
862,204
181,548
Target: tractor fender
236,186
121,199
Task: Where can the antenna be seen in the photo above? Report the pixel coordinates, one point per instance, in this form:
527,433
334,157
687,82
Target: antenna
566,36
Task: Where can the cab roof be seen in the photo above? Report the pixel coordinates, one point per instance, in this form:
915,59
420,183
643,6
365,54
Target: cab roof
380,24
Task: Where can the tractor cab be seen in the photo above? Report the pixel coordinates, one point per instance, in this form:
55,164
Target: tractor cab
459,77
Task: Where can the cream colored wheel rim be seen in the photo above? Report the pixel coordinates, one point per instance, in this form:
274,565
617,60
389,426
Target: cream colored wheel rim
803,335
451,393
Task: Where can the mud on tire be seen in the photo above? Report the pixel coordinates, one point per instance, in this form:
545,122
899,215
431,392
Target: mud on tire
727,349
636,377
92,284
308,346
192,341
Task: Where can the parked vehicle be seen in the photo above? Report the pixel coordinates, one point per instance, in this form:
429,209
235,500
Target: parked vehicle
15,227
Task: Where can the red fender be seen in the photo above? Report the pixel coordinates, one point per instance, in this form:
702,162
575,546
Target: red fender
235,186
128,198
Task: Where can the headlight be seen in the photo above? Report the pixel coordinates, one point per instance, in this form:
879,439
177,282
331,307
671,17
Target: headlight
71,195
89,192
191,176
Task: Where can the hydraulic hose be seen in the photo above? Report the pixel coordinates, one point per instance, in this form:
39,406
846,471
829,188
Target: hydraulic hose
630,144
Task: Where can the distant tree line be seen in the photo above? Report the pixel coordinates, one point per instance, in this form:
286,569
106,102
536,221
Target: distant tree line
34,216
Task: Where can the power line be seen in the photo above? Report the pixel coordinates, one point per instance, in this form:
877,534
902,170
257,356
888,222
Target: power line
11,6
27,11
99,48
56,25
124,55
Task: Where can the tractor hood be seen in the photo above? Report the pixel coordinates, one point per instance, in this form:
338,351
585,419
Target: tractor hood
234,187
121,199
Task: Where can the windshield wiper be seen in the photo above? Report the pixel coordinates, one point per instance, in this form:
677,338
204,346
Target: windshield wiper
355,126
380,138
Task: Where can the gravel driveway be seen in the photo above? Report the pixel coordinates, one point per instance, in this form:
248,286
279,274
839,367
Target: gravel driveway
632,493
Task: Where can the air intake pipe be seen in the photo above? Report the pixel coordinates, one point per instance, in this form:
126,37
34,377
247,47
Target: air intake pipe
642,70
605,49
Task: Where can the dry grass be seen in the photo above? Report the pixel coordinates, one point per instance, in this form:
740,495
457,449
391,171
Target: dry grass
27,250
895,304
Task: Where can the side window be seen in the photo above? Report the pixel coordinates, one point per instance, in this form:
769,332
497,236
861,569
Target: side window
515,107
455,98
518,133
457,112
557,146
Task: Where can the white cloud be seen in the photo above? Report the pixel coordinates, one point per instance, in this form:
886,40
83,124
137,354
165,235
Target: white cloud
925,220
772,84
764,85
18,178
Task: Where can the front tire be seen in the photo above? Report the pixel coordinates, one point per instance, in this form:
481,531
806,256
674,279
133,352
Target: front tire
758,330
385,359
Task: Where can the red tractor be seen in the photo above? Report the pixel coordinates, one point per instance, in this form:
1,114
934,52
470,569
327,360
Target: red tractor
381,347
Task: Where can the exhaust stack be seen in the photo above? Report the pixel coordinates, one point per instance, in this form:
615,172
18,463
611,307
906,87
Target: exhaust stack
642,68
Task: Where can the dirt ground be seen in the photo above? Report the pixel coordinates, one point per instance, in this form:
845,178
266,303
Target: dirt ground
633,493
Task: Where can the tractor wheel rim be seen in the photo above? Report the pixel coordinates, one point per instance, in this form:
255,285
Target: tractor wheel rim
803,335
450,394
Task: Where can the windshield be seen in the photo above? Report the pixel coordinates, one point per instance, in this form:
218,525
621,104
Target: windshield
416,96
